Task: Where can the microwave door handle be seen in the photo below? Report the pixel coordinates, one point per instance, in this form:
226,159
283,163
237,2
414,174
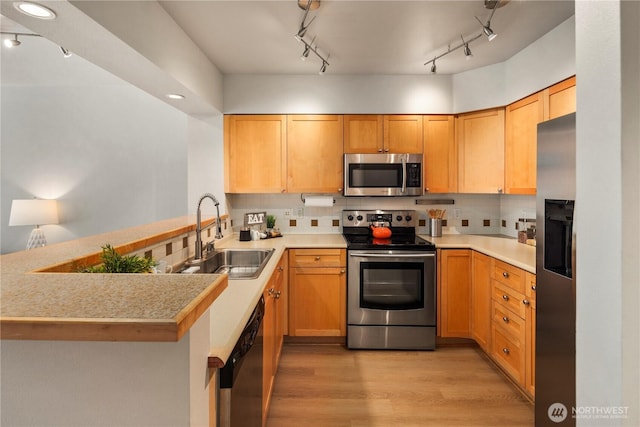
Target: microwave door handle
404,173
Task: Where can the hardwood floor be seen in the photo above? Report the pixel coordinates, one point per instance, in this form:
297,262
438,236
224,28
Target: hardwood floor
330,386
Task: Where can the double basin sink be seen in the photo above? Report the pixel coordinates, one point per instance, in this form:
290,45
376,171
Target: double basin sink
236,263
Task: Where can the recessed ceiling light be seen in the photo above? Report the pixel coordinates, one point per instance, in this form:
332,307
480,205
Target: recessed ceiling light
175,96
34,9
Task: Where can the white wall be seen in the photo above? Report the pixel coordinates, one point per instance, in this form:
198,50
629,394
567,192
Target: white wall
607,62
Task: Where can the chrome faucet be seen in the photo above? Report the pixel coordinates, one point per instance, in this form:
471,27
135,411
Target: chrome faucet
218,235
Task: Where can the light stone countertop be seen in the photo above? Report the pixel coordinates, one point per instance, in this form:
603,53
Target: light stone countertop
504,248
100,307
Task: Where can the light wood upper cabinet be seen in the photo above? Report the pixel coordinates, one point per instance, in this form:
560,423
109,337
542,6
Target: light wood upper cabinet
396,133
560,99
440,164
481,300
403,134
480,142
255,153
522,118
314,153
454,293
363,133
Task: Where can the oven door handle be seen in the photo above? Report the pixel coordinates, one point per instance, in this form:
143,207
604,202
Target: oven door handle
378,255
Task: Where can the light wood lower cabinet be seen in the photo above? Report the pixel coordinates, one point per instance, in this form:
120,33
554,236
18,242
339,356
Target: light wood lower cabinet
530,340
454,293
317,292
481,300
273,330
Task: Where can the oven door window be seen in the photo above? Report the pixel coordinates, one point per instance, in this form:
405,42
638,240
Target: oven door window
392,285
381,175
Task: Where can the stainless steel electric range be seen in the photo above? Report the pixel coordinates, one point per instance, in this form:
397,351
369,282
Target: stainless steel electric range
391,282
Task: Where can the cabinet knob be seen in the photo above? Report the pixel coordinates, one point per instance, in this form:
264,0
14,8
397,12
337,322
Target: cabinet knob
499,190
284,190
386,150
505,319
505,297
379,150
339,190
317,258
277,295
270,291
280,269
533,288
505,350
426,189
342,271
525,302
505,274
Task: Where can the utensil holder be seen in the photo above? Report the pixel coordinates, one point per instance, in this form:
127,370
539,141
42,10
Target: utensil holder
435,227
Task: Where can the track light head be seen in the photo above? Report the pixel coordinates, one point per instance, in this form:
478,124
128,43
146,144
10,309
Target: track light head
305,54
12,42
65,52
433,67
323,69
467,51
489,33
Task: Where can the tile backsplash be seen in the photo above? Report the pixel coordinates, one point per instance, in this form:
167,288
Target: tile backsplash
470,213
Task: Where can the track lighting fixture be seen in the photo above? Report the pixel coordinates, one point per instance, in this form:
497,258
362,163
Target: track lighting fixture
65,52
308,46
466,50
433,66
464,44
486,28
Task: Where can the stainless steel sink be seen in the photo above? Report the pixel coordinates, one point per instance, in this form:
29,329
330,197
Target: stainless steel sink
237,263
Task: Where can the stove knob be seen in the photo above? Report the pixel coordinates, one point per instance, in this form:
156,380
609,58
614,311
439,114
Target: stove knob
359,218
399,218
350,217
408,218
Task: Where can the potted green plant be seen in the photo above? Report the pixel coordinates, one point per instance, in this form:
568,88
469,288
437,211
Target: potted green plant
271,222
113,262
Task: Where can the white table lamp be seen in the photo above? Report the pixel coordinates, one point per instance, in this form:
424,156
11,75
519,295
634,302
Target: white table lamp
34,212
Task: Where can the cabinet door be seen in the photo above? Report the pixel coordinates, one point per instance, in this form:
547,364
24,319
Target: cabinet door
269,340
454,293
403,134
440,168
522,120
530,343
363,133
481,151
317,304
314,154
481,300
560,99
255,153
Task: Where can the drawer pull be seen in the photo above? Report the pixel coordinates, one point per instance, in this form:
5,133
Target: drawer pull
317,258
505,319
525,302
505,274
277,295
505,350
342,271
505,297
280,269
533,288
270,291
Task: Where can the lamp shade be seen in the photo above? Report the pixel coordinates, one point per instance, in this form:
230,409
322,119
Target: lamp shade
33,212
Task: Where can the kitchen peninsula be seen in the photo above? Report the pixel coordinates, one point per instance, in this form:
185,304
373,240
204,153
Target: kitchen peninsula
124,349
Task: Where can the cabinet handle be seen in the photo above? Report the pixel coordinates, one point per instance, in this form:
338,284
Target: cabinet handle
280,269
505,350
379,150
339,190
533,288
317,258
270,291
525,302
499,190
426,189
342,271
505,297
277,295
505,274
284,190
505,319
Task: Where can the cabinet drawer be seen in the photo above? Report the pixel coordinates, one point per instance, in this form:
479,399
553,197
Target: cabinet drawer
509,275
509,322
508,298
317,258
508,352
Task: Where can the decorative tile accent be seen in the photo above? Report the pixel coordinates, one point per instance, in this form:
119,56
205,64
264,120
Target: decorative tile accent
335,222
486,223
185,242
169,248
423,223
292,223
465,222
504,222
444,222
148,254
314,222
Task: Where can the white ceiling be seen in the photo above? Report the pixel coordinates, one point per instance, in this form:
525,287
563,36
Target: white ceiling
361,37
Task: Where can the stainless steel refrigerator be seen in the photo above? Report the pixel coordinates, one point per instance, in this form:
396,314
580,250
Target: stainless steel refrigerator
555,273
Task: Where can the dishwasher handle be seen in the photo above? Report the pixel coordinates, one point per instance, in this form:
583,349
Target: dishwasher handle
379,255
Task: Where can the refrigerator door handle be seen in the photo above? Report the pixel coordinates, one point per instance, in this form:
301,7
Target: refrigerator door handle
573,249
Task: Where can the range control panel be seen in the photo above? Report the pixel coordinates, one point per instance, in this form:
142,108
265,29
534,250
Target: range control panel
364,218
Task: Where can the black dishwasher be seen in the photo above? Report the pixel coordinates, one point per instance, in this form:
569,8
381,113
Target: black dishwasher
240,379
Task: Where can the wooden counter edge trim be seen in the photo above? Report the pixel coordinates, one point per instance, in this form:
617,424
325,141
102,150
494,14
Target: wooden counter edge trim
54,329
192,311
215,362
72,265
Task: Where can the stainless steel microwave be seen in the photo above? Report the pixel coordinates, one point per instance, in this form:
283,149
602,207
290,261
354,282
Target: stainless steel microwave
383,174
